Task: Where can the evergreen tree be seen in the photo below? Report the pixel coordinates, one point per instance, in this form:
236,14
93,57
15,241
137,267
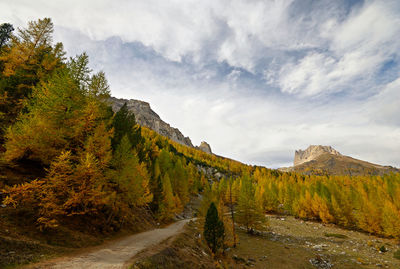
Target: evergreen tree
156,187
124,123
5,33
214,229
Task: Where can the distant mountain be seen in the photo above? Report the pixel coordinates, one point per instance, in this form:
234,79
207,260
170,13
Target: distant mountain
312,153
317,159
145,116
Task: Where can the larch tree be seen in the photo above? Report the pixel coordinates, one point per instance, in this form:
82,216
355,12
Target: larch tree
29,59
249,213
230,199
167,207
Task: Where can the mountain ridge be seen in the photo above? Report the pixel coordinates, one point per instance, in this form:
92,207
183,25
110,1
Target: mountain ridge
321,160
145,116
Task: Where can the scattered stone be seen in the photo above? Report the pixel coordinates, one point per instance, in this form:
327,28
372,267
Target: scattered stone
263,258
321,262
382,249
320,247
238,259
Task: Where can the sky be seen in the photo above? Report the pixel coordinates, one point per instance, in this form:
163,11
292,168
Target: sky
255,79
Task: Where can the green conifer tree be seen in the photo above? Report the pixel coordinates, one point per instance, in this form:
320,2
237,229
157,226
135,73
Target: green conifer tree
214,229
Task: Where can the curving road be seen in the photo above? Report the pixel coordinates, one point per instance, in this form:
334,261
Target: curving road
115,255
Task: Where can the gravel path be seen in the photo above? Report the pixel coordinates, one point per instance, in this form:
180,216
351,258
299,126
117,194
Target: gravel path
117,254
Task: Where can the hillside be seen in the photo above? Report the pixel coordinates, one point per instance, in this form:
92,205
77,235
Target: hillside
77,170
145,116
342,165
322,160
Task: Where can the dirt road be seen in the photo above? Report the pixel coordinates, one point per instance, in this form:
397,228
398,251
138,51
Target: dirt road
116,254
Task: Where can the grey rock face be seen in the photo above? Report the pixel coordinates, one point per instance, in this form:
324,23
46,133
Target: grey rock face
145,116
312,152
204,146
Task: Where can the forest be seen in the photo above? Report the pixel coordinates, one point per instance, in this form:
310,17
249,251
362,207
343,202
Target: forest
101,169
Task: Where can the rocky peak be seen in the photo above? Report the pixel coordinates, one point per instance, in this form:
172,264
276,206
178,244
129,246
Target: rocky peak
204,146
312,152
145,116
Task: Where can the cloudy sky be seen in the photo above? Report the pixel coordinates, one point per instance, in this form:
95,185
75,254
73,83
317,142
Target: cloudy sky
255,79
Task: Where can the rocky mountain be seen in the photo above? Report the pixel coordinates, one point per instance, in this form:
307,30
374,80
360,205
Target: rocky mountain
204,146
312,153
321,160
145,116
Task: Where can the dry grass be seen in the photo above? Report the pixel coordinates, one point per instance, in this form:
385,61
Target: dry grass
183,251
292,243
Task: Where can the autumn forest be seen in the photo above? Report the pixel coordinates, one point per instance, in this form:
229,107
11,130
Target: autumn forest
98,168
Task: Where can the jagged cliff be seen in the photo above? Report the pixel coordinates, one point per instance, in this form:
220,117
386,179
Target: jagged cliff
204,146
312,153
145,116
322,160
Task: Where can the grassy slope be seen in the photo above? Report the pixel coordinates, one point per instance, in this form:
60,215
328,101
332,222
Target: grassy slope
290,243
342,165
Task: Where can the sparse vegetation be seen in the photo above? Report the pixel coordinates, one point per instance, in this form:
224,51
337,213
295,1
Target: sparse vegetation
396,254
341,236
186,250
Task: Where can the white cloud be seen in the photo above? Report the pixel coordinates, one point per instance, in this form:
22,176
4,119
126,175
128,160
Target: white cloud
237,30
357,49
384,108
189,60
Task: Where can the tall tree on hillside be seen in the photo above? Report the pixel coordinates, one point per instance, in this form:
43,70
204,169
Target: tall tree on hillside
156,187
214,229
167,207
231,199
129,181
124,123
30,58
249,213
5,33
60,116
